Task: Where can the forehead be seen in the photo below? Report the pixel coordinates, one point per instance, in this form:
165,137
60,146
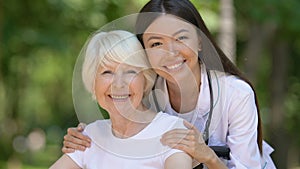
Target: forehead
168,24
117,66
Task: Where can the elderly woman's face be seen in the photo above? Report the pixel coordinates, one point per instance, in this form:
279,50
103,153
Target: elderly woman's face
119,87
172,47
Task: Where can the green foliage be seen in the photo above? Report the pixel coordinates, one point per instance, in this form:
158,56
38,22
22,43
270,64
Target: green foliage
293,95
104,113
40,41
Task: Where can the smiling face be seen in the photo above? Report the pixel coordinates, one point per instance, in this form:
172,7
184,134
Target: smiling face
119,87
172,47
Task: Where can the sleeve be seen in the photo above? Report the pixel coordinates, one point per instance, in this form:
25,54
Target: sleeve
242,131
77,157
177,123
266,160
169,153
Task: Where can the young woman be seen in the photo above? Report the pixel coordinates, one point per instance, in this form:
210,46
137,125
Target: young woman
216,98
117,73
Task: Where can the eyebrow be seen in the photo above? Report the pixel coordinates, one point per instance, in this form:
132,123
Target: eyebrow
159,37
178,32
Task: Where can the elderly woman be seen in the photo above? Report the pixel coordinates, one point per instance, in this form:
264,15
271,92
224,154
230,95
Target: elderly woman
117,74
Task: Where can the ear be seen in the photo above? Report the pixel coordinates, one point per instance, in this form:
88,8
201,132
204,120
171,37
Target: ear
199,44
200,55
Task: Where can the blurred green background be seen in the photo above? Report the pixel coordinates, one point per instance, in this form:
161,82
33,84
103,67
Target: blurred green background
41,39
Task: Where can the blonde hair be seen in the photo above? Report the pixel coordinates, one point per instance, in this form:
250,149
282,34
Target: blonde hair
119,46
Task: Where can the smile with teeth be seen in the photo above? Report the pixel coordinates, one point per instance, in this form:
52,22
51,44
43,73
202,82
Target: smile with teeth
119,97
175,66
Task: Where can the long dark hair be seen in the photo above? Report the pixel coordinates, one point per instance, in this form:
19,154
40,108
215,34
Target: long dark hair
185,10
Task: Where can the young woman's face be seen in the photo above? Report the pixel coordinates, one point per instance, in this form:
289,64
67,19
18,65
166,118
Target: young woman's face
172,47
119,87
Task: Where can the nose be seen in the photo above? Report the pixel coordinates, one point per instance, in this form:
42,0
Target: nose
172,48
119,81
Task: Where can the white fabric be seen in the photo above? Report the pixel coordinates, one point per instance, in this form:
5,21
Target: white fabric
142,150
234,120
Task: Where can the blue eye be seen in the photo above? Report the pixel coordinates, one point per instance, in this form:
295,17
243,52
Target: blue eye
181,38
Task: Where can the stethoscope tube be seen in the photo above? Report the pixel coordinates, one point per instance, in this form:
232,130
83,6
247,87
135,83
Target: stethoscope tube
221,151
211,106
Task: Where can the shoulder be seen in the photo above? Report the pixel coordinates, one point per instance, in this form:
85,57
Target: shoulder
167,117
164,122
97,123
233,84
178,160
171,121
96,126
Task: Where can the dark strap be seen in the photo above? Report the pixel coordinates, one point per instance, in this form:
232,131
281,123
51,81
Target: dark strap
200,166
154,96
207,124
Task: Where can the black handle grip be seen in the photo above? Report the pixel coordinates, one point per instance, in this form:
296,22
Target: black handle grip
221,151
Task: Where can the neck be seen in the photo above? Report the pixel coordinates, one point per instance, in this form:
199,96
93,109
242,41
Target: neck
124,126
184,95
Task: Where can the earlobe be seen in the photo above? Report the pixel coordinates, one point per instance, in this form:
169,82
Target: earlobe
199,44
200,47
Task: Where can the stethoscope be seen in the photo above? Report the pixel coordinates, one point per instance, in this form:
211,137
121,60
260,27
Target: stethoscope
221,151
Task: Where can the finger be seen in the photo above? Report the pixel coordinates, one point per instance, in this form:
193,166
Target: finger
191,139
179,133
185,141
189,125
176,131
180,146
81,127
184,148
178,138
71,145
175,136
190,148
78,140
191,136
67,150
200,139
192,127
72,132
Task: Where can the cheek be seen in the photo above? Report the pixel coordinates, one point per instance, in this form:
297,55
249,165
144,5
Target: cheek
101,86
138,86
191,54
154,57
190,50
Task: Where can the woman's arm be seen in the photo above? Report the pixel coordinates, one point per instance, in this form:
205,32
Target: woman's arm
191,141
242,129
75,140
64,162
179,160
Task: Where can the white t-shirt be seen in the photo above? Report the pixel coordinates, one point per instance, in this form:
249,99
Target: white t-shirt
143,150
234,119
